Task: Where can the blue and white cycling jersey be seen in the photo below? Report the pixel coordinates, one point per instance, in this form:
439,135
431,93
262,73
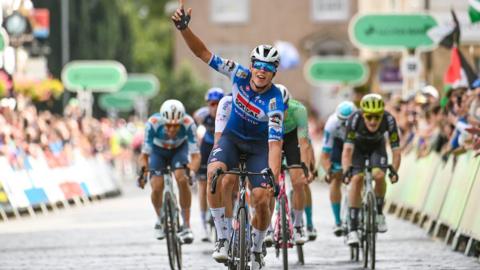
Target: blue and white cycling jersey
255,116
155,135
203,117
334,129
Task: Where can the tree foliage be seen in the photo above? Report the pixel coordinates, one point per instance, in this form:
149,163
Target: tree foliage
139,34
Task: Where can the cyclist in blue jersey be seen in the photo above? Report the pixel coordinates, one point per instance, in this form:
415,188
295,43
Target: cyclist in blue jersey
255,127
206,116
169,138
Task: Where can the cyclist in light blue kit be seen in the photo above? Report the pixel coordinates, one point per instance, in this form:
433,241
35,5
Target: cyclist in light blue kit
169,138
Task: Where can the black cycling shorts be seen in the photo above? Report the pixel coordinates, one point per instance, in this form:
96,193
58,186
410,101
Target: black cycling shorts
291,149
378,157
205,149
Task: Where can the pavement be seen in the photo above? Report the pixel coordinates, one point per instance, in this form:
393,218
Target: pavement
117,233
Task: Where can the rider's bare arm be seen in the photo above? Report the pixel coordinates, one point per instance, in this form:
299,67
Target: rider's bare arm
194,43
275,157
347,156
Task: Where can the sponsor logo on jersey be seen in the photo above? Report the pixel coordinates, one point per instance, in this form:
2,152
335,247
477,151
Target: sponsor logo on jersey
241,74
272,105
229,65
394,137
351,135
276,119
153,120
187,120
248,108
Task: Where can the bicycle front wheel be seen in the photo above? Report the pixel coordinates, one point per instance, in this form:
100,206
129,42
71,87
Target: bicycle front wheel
170,226
370,231
242,219
285,233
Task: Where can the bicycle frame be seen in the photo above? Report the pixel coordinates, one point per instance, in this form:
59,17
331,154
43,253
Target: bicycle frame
277,228
234,260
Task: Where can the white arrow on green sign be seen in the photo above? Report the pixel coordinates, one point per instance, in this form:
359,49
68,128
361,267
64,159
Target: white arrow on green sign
392,31
348,71
116,101
95,76
3,39
141,85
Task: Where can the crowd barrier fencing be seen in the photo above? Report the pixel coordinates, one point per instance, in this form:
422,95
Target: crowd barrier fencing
36,187
441,197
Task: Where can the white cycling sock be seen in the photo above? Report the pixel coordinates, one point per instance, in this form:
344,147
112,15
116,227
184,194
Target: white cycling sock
203,216
218,215
298,218
258,237
228,223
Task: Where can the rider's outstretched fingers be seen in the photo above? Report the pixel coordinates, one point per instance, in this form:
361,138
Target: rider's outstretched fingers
189,12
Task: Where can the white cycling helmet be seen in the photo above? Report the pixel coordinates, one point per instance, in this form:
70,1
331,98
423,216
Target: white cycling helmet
345,109
172,111
285,94
265,53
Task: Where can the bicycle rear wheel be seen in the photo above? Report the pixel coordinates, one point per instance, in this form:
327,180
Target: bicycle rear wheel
170,225
285,233
242,248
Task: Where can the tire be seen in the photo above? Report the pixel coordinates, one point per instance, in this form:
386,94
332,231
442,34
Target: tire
285,233
369,235
242,254
373,229
301,259
354,253
178,243
170,233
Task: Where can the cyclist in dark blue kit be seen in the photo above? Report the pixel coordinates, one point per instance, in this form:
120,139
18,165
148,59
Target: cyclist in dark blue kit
205,116
255,128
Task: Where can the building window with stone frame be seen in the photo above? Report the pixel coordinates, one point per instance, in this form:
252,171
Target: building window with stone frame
230,11
330,10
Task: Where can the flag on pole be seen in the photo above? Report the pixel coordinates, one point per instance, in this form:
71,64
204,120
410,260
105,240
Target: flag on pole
459,73
446,35
474,10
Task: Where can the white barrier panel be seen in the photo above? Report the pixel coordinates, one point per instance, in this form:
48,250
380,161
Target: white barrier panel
41,184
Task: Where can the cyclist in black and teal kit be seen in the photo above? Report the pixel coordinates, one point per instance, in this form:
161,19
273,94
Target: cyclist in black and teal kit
365,137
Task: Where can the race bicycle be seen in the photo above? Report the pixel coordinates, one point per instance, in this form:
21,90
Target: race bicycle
368,214
170,217
283,229
241,238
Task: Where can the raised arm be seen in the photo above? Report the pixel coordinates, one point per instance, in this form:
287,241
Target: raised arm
181,20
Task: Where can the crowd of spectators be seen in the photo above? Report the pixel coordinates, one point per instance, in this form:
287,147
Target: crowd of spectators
428,122
26,132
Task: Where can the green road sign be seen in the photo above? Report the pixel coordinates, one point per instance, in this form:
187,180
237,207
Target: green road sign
141,85
116,101
320,70
96,76
392,31
3,39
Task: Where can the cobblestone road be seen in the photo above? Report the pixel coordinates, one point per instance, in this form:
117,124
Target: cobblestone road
117,234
